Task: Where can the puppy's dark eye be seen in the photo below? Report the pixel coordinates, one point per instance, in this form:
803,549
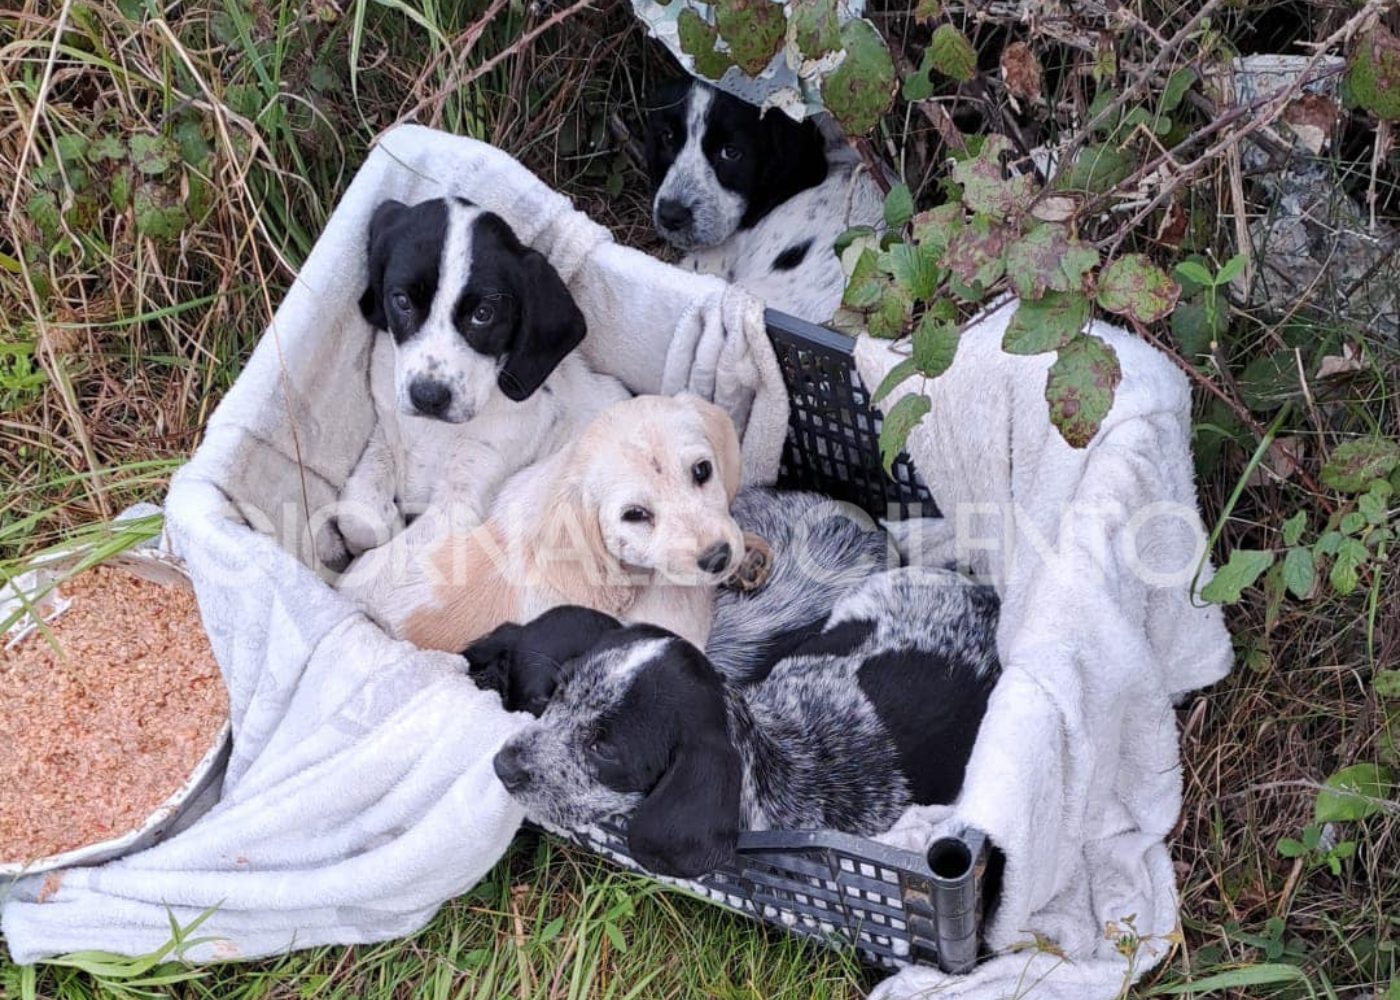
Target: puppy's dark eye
483,314
636,515
401,302
731,153
604,751
702,471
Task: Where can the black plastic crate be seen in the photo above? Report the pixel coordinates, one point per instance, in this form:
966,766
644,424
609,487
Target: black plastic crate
894,907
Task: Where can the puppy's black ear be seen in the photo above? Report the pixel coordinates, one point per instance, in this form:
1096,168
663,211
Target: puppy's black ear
688,824
550,327
386,217
796,155
491,658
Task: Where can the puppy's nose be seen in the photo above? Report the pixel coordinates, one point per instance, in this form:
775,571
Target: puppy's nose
510,770
672,214
715,559
431,398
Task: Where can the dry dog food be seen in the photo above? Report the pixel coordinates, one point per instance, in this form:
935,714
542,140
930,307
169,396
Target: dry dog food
94,740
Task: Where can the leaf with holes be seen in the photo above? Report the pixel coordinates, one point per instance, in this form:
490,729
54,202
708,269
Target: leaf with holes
1241,570
1299,572
152,154
951,54
1356,464
902,418
936,341
812,28
912,268
1046,324
1135,287
1048,258
1080,388
895,377
1353,793
753,30
1373,72
986,188
899,206
697,40
977,254
861,89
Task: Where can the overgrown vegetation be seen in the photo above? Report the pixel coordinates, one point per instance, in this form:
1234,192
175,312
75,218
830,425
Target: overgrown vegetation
166,169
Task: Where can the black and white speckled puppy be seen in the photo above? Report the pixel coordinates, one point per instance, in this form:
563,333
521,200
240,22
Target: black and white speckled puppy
877,712
757,199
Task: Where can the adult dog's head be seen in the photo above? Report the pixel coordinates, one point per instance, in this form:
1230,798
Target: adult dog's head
718,164
637,726
472,311
651,481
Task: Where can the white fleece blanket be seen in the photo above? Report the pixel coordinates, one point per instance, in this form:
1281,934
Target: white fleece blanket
1076,774
359,795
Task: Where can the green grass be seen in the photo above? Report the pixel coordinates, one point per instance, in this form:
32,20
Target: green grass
126,311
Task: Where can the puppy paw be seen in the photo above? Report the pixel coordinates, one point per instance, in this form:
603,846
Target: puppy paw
364,527
755,567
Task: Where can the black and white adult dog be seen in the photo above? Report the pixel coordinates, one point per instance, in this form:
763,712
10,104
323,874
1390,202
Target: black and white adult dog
876,713
477,377
757,199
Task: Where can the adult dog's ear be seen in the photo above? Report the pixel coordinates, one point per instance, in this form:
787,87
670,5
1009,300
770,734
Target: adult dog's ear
385,218
724,441
550,327
689,824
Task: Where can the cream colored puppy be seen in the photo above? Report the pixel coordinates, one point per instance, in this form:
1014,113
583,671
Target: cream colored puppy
632,518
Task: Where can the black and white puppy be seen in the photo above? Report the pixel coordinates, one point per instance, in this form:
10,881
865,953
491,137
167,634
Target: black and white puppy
876,713
476,377
757,199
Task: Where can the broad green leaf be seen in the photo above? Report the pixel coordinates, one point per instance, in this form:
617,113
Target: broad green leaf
1345,575
861,89
1291,848
1352,522
160,212
977,253
899,421
1353,793
152,154
934,230
1080,388
1231,269
1133,286
1373,72
986,188
1355,464
1046,324
899,206
935,343
1269,381
1175,90
896,376
753,30
891,315
867,284
1096,169
1048,258
1298,572
614,932
850,236
813,28
550,931
1195,272
1294,527
108,147
697,40
912,268
1240,571
918,86
1191,325
950,53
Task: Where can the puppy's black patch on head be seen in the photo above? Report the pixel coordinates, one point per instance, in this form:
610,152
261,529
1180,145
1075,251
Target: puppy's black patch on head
666,129
792,256
404,254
